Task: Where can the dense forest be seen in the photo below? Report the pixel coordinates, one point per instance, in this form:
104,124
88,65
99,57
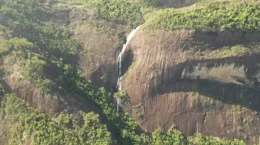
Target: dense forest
47,56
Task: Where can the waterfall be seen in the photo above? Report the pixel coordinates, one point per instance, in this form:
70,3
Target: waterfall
129,38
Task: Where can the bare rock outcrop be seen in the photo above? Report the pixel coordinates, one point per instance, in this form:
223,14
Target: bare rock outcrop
174,86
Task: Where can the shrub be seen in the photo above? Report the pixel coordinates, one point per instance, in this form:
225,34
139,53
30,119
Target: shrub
205,140
31,125
119,10
213,16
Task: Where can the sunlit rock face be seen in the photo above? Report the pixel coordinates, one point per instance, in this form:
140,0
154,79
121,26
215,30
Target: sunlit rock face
173,84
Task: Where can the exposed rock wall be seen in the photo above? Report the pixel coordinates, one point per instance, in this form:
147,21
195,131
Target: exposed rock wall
216,97
101,42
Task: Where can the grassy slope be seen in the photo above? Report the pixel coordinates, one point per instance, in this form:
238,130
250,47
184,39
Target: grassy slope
210,17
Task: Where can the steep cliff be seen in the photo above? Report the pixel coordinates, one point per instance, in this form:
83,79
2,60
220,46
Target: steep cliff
179,87
199,81
194,69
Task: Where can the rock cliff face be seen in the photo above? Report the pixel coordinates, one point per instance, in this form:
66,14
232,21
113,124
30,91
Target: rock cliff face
178,78
172,83
101,41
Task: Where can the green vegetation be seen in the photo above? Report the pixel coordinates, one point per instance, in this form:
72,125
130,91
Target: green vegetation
122,97
39,46
100,28
140,115
205,140
4,31
171,137
212,17
70,2
2,75
104,29
121,11
33,70
234,51
139,109
14,44
137,106
29,125
151,2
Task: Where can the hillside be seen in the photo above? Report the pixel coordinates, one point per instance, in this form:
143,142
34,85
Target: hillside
197,70
189,75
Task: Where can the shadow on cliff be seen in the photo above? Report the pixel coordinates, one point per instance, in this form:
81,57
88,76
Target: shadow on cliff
109,78
127,60
225,92
212,40
243,93
173,3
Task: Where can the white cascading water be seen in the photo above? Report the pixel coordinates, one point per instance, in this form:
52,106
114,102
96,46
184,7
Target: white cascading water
119,85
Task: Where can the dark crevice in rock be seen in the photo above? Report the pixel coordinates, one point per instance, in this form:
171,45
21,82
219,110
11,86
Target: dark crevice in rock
127,61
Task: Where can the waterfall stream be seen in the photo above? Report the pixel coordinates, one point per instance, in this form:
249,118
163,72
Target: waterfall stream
121,54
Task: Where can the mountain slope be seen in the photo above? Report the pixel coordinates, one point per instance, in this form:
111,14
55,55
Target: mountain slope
198,71
56,54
